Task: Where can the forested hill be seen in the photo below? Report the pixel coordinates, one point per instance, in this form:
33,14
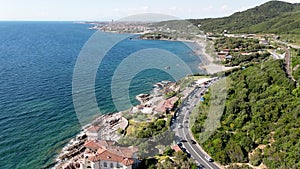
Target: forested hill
260,122
271,17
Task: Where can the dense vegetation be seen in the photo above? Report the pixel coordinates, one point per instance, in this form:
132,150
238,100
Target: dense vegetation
296,63
260,123
156,36
288,23
178,160
273,17
237,46
240,44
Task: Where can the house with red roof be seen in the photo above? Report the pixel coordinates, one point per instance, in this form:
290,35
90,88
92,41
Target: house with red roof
176,148
106,155
166,105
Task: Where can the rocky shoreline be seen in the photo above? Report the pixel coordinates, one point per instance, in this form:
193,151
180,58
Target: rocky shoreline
110,125
72,152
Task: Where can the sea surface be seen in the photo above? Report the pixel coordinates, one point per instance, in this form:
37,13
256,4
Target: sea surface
37,60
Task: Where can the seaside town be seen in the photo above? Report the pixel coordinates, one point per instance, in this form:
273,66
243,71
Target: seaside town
98,147
150,84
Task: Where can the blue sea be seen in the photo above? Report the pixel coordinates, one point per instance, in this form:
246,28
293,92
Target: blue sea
37,60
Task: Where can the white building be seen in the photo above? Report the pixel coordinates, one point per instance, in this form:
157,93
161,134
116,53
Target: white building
93,133
108,156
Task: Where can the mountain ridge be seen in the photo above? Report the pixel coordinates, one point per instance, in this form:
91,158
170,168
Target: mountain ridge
260,16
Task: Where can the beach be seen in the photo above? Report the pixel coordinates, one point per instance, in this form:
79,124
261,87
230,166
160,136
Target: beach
210,64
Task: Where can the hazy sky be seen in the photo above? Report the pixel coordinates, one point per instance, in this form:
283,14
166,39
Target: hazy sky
74,10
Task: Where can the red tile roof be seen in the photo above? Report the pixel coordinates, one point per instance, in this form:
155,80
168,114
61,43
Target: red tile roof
93,129
116,154
176,148
166,104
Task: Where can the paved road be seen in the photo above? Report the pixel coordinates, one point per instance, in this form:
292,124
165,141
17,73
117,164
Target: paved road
288,67
287,44
183,113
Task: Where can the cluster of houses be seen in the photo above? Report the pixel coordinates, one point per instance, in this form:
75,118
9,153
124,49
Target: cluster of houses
97,151
101,154
156,103
224,54
104,154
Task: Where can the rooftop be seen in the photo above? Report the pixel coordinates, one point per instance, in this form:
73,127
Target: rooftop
93,129
108,152
166,104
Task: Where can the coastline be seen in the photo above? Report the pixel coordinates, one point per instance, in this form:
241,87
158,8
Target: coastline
69,153
207,64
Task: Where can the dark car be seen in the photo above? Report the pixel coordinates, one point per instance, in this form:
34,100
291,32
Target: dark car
193,142
201,166
182,140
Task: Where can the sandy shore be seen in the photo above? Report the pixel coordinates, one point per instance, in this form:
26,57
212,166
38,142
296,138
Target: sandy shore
210,64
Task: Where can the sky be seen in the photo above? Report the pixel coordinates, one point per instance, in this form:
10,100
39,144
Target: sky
106,10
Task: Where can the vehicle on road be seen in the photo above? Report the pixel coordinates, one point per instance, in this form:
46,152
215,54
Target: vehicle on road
193,142
180,126
201,166
208,158
182,140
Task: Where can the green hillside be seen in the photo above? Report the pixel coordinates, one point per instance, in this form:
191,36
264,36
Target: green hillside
260,122
287,23
271,17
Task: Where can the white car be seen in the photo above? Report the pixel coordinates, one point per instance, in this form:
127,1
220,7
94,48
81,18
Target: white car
208,158
180,126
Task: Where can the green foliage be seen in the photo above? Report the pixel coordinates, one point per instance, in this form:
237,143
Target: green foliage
152,129
273,16
148,163
170,94
239,167
242,44
290,38
296,63
256,157
157,36
168,151
287,23
262,107
180,161
201,111
236,46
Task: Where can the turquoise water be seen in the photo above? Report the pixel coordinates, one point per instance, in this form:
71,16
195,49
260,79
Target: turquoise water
36,66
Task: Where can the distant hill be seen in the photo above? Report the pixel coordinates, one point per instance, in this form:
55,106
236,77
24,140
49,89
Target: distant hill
271,17
288,23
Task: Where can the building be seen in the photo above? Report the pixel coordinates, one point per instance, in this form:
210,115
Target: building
105,155
176,148
166,105
93,133
228,57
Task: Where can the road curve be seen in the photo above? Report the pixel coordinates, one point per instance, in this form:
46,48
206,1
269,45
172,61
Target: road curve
183,115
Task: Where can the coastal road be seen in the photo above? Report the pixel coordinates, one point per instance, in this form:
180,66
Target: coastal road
184,134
